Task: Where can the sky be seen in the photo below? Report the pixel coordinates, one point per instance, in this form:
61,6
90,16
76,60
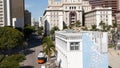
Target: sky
36,7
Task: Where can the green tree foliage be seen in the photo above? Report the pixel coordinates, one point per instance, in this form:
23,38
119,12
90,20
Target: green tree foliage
16,57
52,32
78,23
10,38
1,57
114,25
94,28
48,46
104,26
12,61
9,64
40,30
28,30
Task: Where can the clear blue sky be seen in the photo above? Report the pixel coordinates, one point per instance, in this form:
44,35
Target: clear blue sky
36,7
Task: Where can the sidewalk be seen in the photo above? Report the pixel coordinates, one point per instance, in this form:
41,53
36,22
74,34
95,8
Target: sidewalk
114,58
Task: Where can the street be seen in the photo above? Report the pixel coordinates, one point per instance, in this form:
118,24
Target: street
34,47
114,58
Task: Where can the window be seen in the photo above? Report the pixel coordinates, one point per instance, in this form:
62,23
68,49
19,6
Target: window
70,7
74,7
74,46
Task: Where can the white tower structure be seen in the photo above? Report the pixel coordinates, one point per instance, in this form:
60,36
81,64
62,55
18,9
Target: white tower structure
5,13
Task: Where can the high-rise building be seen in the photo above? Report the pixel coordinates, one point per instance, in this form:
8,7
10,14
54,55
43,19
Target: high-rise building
17,8
105,3
17,13
11,13
119,5
27,17
5,15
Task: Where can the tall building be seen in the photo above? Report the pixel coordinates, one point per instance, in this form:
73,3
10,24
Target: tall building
27,19
64,11
5,15
118,20
119,5
105,3
81,49
17,13
98,15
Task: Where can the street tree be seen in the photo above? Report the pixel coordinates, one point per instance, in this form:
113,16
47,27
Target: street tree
78,23
48,46
94,28
28,30
40,30
52,32
10,38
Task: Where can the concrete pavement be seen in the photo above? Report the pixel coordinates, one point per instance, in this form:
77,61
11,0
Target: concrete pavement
114,58
31,59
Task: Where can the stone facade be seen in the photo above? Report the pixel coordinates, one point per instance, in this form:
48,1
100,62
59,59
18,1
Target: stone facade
64,11
97,15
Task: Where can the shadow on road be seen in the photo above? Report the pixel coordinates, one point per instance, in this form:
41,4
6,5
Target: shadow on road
26,67
34,41
27,52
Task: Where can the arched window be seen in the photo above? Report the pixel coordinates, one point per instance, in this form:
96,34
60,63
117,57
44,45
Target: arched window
73,17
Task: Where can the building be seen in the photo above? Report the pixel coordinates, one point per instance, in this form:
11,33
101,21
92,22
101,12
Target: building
5,15
105,3
9,10
64,11
118,20
119,5
41,22
27,19
32,21
17,13
98,15
81,49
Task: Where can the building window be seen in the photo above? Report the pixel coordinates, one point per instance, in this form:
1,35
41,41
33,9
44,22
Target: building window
74,46
70,7
74,7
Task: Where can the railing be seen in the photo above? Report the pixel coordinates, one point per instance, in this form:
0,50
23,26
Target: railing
69,36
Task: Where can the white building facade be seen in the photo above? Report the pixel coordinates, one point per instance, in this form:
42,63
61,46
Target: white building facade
81,49
64,11
97,15
5,17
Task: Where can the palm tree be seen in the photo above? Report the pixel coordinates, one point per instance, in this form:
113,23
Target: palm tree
48,47
94,28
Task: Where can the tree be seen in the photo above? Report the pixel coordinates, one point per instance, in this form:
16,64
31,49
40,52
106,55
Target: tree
48,46
12,61
40,30
52,32
9,64
94,28
114,25
10,38
78,23
28,30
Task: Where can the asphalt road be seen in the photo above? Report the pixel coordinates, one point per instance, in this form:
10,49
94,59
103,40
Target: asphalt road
34,47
